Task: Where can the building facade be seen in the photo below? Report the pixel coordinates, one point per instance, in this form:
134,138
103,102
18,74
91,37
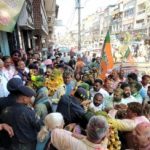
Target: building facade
142,19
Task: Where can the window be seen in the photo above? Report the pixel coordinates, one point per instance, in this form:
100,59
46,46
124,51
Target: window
140,21
129,4
129,12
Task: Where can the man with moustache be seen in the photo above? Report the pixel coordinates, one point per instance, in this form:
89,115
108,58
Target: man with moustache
116,100
98,103
127,97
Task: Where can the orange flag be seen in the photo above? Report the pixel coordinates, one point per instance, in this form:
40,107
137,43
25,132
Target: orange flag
107,61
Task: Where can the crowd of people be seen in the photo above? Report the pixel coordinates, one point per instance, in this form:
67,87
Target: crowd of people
62,104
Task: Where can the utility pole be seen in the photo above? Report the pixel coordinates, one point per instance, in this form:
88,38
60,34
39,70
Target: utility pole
79,24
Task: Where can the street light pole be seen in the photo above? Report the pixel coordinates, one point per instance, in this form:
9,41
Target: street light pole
79,24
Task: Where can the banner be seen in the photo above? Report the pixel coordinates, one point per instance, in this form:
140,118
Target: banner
9,12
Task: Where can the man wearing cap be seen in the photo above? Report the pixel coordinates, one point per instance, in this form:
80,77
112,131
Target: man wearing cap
21,117
70,106
14,85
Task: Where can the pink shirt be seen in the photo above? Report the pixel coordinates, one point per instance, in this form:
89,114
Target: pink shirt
140,119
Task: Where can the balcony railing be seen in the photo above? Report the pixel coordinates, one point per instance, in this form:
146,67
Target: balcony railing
140,26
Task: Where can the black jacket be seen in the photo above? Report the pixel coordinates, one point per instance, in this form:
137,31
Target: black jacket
70,108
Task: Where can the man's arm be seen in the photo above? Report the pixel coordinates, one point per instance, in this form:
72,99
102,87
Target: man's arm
57,95
7,128
122,125
62,139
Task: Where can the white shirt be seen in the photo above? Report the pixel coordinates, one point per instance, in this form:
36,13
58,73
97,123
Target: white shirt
102,91
96,108
3,85
66,59
128,100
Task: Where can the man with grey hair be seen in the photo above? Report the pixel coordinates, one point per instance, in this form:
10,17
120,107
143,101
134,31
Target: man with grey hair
97,130
3,81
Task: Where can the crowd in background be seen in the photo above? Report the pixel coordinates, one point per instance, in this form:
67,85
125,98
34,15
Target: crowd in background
61,104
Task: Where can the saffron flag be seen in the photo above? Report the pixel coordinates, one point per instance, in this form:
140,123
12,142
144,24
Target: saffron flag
128,56
107,61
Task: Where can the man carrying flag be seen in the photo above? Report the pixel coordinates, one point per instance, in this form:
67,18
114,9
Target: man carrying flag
107,61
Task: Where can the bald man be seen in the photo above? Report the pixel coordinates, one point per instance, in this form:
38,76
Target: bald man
141,136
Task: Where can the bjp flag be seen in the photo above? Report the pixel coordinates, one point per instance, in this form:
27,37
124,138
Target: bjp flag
107,61
128,56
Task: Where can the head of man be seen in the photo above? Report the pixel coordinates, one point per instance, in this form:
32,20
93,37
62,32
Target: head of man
98,60
81,94
134,110
135,87
98,99
97,129
115,74
97,85
126,90
49,72
21,65
132,77
77,77
145,80
146,110
16,56
141,136
36,56
23,93
108,84
58,59
121,73
67,76
85,78
24,99
118,95
7,61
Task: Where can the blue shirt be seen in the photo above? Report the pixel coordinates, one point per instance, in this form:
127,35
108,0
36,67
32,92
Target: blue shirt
143,92
69,88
